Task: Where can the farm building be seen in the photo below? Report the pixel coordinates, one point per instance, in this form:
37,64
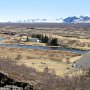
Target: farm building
26,38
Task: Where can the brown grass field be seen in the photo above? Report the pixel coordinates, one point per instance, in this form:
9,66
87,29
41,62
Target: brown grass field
39,59
45,68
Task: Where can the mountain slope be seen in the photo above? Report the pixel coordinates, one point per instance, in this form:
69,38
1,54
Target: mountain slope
74,19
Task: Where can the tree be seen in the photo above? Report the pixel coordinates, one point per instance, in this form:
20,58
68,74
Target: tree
46,39
27,39
54,42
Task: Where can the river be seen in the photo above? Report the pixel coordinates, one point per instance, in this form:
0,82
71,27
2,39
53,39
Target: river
43,47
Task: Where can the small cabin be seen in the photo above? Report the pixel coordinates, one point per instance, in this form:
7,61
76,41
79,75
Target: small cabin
34,40
29,39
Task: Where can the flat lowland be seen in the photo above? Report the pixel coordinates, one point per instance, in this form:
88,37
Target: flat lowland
44,68
69,35
58,61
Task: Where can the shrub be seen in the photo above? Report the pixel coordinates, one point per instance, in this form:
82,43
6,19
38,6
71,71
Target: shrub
18,57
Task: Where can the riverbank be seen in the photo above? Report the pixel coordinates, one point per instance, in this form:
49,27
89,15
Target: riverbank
40,46
16,40
43,44
72,42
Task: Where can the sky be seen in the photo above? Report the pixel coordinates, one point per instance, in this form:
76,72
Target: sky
13,10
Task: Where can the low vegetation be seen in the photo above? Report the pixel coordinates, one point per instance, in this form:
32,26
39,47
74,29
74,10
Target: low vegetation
70,36
43,69
41,80
40,59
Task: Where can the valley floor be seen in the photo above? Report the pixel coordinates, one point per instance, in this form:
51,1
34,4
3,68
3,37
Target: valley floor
40,59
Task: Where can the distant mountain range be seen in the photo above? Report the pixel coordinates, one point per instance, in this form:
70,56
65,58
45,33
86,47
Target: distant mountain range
60,20
72,19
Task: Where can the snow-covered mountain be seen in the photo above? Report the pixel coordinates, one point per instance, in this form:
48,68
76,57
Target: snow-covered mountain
59,20
74,19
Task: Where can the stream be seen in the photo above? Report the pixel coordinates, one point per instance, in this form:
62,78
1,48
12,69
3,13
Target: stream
43,47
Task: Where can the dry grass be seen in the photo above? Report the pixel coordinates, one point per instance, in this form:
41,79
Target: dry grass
63,32
42,81
28,64
39,59
40,64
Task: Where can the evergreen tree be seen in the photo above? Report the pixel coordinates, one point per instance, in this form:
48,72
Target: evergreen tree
27,39
46,39
54,42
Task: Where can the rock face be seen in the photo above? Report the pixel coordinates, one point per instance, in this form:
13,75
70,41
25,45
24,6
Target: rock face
7,83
